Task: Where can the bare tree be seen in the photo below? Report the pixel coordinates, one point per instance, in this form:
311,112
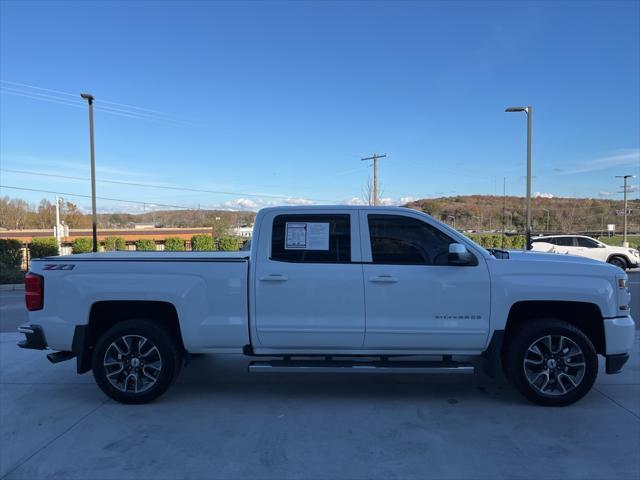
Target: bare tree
367,191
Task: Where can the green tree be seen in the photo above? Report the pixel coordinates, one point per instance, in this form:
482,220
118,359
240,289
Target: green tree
228,244
114,243
82,245
145,244
43,247
173,244
202,243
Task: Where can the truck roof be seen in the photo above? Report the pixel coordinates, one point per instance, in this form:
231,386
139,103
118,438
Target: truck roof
337,207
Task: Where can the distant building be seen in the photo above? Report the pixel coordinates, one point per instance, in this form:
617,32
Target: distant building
244,231
142,226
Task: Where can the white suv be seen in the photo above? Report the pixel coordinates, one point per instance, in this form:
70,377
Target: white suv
582,246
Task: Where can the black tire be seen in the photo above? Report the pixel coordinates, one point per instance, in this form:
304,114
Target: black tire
566,371
619,262
158,376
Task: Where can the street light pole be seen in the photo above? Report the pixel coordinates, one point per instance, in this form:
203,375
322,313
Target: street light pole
625,189
529,111
94,217
57,229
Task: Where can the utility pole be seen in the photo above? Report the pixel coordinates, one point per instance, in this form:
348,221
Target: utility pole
375,157
625,190
94,216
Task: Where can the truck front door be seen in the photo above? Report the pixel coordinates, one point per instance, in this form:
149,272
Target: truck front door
414,298
308,281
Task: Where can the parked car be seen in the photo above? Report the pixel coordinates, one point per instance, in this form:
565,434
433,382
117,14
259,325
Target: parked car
583,246
335,289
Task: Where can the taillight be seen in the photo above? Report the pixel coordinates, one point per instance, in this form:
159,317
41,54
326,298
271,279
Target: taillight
33,291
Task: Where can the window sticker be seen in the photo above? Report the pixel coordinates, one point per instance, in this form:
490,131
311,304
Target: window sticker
296,236
307,236
317,236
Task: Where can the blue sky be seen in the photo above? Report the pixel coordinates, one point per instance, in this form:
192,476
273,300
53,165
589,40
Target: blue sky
280,100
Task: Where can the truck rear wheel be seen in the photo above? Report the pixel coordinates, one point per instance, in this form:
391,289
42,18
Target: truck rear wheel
551,362
135,361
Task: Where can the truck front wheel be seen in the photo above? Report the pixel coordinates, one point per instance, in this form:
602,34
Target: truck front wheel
551,362
135,361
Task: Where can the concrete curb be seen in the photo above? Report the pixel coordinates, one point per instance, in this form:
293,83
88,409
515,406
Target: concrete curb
12,287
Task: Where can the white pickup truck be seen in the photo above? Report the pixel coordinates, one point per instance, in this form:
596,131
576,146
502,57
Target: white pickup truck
335,289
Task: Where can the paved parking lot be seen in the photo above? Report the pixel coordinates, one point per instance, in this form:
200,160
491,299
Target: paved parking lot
220,422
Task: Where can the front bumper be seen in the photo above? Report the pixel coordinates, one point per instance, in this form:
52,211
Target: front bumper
620,333
616,362
34,337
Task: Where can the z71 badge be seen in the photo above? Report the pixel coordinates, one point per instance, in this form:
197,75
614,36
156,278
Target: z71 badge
58,266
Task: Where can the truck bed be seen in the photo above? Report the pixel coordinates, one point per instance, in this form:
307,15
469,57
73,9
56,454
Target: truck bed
154,256
209,291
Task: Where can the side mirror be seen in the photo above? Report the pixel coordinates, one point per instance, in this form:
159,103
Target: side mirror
459,255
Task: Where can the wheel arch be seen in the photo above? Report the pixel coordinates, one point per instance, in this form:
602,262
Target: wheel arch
583,315
105,314
620,256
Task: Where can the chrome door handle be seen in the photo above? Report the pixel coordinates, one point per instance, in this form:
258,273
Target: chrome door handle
384,279
274,277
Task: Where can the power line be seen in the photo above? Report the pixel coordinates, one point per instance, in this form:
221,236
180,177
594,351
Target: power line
75,95
51,99
166,187
101,198
163,118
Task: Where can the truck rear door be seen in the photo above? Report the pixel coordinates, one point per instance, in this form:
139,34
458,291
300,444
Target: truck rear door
308,280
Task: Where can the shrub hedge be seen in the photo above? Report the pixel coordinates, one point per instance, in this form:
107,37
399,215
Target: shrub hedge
114,243
9,277
82,245
43,247
202,242
494,240
228,244
10,254
145,244
173,244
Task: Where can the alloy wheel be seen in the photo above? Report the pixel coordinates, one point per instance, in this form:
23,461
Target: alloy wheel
132,363
554,365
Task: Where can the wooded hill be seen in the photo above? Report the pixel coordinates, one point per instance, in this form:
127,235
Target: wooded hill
17,214
567,215
472,212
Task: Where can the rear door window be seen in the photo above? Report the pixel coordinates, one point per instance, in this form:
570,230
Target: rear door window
311,238
564,241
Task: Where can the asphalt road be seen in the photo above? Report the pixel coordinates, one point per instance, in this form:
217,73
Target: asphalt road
12,310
